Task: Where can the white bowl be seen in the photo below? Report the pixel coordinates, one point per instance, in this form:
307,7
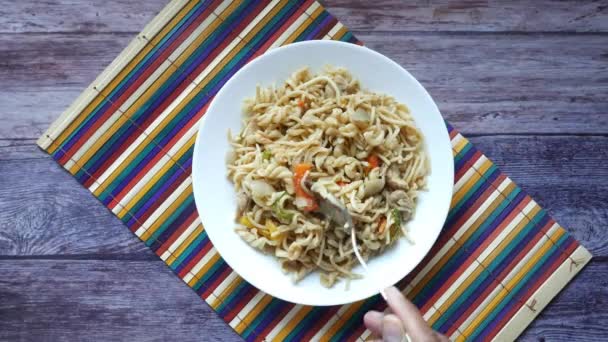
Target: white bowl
215,195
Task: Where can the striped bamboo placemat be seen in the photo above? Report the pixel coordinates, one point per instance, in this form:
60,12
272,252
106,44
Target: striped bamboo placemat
129,139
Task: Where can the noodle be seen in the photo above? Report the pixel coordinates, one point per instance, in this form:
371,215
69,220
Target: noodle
361,147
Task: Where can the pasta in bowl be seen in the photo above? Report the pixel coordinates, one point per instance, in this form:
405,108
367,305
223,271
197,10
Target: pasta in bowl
324,132
364,133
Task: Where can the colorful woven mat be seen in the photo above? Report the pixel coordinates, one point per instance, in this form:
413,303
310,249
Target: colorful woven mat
129,138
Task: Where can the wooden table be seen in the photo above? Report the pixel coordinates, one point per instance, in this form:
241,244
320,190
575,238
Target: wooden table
526,81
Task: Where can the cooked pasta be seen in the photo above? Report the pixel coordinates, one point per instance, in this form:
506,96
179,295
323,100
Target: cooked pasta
324,132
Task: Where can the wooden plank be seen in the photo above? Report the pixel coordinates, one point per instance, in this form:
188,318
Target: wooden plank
78,16
38,87
552,169
516,83
484,83
564,174
386,15
458,15
111,300
44,211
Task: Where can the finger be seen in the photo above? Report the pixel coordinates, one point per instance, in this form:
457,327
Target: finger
415,326
373,322
392,329
441,337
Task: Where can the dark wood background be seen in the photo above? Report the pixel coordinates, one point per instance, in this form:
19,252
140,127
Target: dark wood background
526,81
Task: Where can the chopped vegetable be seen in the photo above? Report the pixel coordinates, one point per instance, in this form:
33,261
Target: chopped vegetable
283,193
246,222
382,225
267,231
266,154
306,203
270,226
373,186
260,189
303,199
396,227
360,118
396,216
242,202
373,162
271,230
303,105
300,202
341,183
301,169
279,212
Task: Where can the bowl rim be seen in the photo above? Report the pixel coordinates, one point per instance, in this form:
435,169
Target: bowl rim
444,210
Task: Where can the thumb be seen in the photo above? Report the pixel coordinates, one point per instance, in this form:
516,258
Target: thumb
408,314
392,329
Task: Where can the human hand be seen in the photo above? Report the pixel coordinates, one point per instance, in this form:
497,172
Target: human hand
402,318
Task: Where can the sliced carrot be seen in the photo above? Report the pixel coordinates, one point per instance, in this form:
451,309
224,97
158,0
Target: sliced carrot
298,173
382,225
373,162
303,104
301,169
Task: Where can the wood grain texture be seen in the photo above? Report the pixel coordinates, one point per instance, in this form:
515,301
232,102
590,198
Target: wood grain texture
517,83
35,88
483,84
45,211
77,16
561,178
386,15
526,81
110,300
472,16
